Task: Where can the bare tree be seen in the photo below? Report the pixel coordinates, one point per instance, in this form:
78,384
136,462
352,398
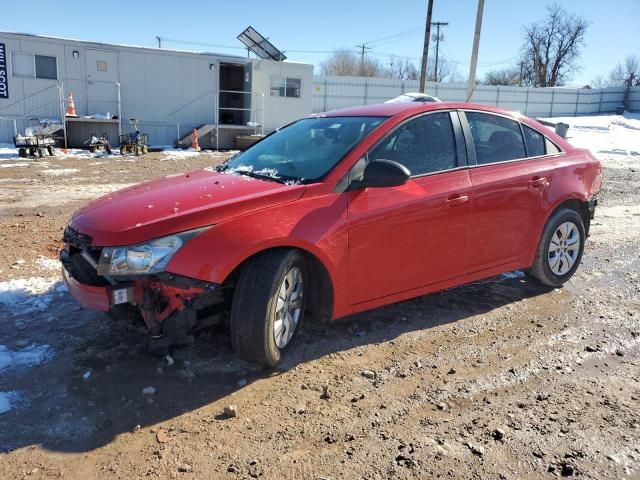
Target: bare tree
599,82
626,73
401,68
344,62
447,71
552,48
505,76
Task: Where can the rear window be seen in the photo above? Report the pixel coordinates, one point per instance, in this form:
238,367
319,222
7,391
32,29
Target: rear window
495,138
534,141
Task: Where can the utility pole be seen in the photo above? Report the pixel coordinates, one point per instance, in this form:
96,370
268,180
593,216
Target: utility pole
362,48
159,39
437,38
474,53
425,47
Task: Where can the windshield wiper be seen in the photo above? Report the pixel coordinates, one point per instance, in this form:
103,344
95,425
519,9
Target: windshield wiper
259,176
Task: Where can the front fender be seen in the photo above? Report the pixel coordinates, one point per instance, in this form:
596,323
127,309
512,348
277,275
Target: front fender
315,225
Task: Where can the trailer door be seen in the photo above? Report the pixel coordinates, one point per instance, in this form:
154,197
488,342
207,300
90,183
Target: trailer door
102,75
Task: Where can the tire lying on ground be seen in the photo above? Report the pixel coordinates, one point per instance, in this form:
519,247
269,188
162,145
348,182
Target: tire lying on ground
560,248
268,306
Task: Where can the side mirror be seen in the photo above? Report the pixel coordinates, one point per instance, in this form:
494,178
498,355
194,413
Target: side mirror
382,173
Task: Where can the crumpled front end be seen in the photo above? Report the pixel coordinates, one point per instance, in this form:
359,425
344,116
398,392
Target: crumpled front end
171,306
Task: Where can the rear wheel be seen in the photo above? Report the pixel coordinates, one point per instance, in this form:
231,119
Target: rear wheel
22,152
268,306
560,248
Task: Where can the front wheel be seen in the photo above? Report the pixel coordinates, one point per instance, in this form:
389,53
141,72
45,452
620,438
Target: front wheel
560,248
268,306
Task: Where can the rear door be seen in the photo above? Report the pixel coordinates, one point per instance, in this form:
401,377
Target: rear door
509,178
416,234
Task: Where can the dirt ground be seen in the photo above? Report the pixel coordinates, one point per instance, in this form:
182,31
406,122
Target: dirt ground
499,379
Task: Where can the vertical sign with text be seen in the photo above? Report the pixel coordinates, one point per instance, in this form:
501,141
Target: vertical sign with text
4,79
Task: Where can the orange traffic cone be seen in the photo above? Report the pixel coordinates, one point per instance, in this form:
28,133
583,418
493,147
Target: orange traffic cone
71,108
194,140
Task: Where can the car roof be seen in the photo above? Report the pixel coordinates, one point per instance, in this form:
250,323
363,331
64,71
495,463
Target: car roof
391,109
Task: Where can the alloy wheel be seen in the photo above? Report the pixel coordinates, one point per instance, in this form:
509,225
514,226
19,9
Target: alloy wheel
288,307
564,247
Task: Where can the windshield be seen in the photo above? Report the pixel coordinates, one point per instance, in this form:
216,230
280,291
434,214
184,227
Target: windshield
304,151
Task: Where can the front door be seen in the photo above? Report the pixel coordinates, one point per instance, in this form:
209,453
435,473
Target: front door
406,237
102,75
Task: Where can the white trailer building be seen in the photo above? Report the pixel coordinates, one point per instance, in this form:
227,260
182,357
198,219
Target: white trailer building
170,92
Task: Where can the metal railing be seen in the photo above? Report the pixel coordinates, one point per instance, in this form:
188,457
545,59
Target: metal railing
59,102
191,102
118,100
253,111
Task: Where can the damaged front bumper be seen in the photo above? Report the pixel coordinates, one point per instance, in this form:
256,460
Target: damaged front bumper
170,305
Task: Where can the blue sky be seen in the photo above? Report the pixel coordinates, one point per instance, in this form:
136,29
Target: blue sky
324,25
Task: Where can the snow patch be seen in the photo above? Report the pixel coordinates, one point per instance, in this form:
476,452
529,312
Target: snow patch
10,165
176,153
26,357
28,295
7,400
45,263
61,171
613,139
513,275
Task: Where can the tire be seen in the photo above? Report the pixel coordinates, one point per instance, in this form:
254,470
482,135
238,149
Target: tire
92,149
254,309
560,248
52,151
145,149
22,153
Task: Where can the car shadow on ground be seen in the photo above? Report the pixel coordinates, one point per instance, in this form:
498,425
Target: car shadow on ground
92,390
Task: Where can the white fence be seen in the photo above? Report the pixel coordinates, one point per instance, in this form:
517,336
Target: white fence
330,93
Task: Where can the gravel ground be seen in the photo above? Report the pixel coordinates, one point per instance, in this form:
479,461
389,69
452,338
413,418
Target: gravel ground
498,379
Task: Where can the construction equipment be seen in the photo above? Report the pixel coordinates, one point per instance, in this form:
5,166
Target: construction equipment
135,142
99,144
37,141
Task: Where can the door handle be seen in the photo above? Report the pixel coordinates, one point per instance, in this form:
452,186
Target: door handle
456,200
539,182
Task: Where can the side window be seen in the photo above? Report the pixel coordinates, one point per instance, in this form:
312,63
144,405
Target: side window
496,139
534,142
424,145
551,147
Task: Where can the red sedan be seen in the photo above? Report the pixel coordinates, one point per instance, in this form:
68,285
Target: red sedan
335,214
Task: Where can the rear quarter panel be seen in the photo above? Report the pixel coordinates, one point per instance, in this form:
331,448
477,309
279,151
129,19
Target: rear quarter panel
575,175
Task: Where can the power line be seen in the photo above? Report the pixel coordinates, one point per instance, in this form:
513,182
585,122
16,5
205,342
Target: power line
411,31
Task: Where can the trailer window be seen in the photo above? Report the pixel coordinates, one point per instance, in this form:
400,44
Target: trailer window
46,67
285,87
22,65
34,66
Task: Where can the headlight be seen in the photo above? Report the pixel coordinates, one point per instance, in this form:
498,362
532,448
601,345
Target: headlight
143,258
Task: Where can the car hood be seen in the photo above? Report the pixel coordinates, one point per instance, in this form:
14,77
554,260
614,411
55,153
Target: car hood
175,204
